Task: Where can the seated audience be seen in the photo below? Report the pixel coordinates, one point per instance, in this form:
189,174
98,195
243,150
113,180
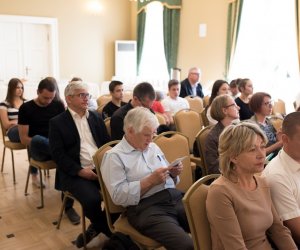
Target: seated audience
191,86
33,122
239,205
225,111
9,109
158,107
261,104
173,102
283,176
116,92
143,96
137,176
92,102
234,90
220,87
246,88
74,136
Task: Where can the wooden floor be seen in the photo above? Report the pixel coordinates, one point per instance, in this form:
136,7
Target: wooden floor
22,225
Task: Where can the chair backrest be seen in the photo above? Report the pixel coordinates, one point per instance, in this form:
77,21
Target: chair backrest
195,103
200,140
174,145
204,118
161,119
102,101
189,123
206,101
110,207
276,122
127,95
279,107
194,202
3,130
107,125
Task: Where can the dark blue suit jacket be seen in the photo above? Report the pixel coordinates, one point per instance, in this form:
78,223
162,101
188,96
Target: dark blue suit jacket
186,89
64,143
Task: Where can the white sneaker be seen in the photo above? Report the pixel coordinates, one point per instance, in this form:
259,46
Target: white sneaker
98,242
36,182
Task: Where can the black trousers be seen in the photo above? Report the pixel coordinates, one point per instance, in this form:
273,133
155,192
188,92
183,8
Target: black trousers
162,218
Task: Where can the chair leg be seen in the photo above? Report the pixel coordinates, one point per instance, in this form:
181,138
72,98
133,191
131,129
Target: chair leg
27,181
3,155
42,191
13,165
83,227
63,205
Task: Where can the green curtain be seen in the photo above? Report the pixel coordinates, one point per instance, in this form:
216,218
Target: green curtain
171,19
297,7
233,24
171,36
140,36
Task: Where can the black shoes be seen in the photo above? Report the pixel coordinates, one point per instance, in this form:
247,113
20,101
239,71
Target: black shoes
73,216
90,233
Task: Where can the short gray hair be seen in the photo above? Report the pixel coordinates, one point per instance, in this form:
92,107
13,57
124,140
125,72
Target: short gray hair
72,86
138,118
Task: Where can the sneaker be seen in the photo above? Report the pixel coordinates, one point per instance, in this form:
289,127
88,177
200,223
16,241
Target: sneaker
99,241
36,182
73,216
90,233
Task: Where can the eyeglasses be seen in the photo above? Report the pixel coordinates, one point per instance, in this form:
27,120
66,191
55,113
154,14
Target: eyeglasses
231,105
269,103
83,95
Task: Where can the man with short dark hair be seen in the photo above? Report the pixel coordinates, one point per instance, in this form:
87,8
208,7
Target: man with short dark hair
75,135
116,92
143,96
283,176
191,86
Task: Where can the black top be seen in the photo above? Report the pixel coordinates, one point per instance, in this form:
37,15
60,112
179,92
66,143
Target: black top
245,112
38,117
186,89
110,108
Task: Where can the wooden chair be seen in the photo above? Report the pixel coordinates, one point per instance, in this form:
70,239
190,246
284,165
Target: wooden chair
276,122
121,224
127,95
279,107
102,101
204,118
12,146
40,165
194,202
107,125
200,140
161,119
189,123
206,101
174,145
70,196
196,103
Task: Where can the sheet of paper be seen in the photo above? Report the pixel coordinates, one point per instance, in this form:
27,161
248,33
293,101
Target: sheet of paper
177,161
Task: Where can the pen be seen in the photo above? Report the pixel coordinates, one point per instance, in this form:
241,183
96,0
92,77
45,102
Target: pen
158,156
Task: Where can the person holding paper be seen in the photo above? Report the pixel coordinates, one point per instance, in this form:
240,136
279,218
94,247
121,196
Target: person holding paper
138,177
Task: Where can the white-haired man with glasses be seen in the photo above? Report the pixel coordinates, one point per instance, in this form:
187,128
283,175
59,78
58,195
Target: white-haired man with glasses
74,136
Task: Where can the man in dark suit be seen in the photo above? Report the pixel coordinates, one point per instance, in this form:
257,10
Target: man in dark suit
191,86
74,137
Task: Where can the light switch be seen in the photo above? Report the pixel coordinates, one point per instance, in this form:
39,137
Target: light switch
202,30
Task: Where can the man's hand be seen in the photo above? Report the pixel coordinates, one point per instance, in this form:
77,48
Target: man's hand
88,173
176,170
159,176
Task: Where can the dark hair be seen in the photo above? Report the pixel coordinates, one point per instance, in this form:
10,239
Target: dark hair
49,83
257,100
242,83
173,82
215,89
143,90
233,83
113,84
290,123
76,79
12,86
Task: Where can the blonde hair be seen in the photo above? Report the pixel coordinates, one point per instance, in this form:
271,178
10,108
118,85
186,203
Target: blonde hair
138,118
217,105
234,140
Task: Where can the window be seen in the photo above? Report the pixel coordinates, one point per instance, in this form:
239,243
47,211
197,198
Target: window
153,66
266,49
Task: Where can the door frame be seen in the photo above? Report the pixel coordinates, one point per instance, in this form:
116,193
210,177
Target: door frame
53,33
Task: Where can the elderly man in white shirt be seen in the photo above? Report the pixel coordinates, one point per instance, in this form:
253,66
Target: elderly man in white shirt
138,177
283,175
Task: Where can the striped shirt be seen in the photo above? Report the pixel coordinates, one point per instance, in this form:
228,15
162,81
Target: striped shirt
12,112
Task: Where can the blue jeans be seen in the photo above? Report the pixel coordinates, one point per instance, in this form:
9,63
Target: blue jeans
39,150
13,134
